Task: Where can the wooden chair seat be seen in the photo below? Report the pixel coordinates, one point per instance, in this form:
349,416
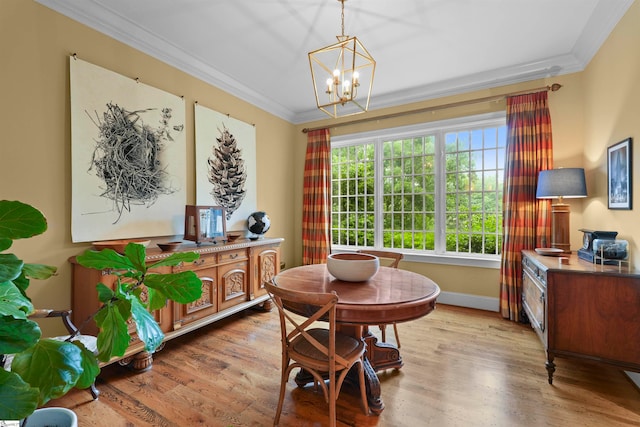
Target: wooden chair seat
346,347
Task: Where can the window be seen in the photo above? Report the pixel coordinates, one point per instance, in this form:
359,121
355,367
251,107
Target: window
430,189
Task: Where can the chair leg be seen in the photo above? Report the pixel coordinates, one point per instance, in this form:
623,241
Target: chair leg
383,329
395,329
332,399
284,377
94,391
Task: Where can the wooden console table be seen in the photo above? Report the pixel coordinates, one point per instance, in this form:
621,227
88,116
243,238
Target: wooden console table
583,310
232,274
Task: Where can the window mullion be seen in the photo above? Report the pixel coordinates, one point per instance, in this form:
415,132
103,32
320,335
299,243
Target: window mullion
378,202
441,188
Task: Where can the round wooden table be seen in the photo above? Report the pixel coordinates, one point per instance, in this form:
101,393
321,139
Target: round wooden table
392,295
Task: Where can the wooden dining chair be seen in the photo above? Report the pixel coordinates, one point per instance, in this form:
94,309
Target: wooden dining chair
393,260
321,352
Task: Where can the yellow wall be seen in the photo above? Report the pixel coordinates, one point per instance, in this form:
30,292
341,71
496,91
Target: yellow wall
35,165
612,113
593,110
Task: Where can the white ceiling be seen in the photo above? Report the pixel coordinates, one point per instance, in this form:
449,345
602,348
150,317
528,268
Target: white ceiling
257,49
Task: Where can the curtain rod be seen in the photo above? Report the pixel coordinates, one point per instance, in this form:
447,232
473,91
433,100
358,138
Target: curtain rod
554,87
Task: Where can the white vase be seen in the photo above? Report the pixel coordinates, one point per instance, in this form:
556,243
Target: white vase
52,417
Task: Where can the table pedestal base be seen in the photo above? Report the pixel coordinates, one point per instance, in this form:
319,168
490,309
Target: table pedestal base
381,355
376,405
378,357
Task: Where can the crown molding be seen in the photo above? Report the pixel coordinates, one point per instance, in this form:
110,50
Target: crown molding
100,18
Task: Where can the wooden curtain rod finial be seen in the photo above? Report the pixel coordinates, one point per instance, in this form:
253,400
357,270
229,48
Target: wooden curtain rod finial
554,87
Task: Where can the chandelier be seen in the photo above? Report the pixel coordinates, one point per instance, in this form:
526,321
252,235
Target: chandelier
342,75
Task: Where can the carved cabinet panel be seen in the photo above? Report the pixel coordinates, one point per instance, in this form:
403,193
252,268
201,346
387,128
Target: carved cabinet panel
205,306
266,261
232,284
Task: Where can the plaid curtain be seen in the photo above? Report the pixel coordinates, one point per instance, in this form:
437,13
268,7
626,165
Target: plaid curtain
316,199
526,222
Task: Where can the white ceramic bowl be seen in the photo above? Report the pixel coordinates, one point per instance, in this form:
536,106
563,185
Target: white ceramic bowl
352,267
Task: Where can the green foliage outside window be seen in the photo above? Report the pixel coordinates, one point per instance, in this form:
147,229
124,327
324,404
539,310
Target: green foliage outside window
473,192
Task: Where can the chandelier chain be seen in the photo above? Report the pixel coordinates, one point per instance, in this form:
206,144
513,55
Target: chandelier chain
342,16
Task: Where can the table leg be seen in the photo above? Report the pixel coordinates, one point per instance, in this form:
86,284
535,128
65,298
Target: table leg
381,355
376,405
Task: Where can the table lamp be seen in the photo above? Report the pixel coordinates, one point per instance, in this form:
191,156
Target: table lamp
561,183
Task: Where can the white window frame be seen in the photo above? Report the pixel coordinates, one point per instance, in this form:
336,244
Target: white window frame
404,132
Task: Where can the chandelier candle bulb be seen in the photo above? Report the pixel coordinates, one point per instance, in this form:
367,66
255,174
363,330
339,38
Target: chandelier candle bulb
345,88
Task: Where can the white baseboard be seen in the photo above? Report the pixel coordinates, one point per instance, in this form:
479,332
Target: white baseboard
470,301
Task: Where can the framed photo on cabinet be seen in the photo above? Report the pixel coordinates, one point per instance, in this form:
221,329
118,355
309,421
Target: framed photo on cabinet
619,175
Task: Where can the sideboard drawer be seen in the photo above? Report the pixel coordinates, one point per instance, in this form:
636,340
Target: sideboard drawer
230,256
205,261
533,295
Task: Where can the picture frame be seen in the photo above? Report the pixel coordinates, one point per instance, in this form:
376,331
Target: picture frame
204,224
619,175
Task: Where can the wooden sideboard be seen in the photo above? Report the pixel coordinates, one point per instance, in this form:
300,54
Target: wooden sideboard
232,274
583,310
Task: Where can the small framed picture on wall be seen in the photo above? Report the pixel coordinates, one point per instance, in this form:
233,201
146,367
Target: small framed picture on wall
619,178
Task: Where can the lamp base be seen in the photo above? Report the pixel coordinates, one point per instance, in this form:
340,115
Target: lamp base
560,227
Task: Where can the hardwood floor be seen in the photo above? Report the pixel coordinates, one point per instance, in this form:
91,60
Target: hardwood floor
462,367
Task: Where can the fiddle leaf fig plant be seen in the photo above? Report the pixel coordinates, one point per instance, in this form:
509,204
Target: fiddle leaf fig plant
42,368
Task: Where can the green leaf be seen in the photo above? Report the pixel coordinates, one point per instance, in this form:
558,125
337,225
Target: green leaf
106,259
148,329
22,283
19,220
113,338
13,302
175,259
52,366
104,293
17,334
5,243
39,271
137,254
17,398
183,287
90,367
10,267
157,299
